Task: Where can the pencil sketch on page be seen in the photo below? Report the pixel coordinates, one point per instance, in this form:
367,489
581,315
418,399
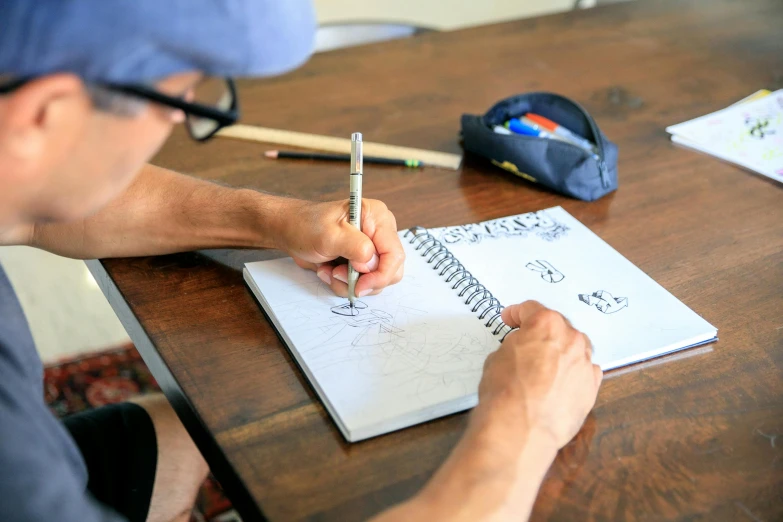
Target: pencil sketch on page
604,302
390,340
538,223
349,309
549,273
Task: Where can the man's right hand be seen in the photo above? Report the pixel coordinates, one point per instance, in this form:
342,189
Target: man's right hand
542,374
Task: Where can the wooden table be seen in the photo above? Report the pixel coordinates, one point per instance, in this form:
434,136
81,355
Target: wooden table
695,439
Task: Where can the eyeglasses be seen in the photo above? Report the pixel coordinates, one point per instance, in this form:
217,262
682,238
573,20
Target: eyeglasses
208,106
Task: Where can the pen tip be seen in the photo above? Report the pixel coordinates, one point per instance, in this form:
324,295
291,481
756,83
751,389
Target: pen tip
271,154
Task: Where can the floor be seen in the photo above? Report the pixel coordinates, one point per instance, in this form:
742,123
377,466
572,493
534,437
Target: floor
67,312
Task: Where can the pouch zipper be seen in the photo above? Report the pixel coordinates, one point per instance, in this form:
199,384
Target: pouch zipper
601,162
602,169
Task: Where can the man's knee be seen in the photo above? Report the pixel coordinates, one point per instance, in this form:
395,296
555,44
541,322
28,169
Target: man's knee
173,440
180,470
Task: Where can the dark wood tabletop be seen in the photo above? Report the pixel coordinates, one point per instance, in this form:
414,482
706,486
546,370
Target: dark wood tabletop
698,438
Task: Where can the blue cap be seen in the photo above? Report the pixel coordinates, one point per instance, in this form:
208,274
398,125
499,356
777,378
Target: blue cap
140,41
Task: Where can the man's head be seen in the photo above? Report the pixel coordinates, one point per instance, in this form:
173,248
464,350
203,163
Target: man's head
74,130
61,158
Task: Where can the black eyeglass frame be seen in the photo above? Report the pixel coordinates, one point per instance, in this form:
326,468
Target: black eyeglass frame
223,118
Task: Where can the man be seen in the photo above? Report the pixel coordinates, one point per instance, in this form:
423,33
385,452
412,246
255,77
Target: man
88,92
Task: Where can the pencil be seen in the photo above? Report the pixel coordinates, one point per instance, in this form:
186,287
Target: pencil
278,154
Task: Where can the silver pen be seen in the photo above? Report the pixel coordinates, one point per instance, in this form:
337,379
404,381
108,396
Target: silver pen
355,205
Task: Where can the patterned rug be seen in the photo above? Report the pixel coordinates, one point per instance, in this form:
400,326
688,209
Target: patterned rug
113,376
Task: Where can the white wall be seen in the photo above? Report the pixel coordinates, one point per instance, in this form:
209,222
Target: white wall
435,14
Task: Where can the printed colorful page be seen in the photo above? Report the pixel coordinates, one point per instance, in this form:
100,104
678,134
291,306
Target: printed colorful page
749,134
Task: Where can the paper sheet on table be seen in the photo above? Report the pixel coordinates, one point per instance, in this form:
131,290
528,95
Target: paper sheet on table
749,133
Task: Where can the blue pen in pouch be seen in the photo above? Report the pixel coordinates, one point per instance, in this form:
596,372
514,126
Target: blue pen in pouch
517,127
536,154
526,127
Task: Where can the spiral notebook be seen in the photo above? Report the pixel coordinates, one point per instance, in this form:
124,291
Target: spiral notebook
416,351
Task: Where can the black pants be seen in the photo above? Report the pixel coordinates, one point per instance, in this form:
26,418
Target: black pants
120,449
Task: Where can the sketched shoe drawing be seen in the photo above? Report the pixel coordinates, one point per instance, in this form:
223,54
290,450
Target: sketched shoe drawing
347,309
604,301
548,273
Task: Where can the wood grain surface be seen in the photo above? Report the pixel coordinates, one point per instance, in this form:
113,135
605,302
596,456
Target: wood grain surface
317,142
698,438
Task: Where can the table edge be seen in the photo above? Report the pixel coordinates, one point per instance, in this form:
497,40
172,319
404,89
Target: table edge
218,463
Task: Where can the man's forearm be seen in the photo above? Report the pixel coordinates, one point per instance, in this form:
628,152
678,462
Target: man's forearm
164,212
492,474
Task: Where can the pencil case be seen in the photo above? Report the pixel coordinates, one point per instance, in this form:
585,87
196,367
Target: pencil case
563,167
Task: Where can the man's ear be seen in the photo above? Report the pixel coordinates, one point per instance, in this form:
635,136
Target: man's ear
44,114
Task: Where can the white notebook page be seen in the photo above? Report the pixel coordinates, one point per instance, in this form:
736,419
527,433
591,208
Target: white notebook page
551,257
415,353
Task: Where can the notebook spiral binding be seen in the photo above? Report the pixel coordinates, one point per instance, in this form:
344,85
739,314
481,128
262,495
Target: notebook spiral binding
485,305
